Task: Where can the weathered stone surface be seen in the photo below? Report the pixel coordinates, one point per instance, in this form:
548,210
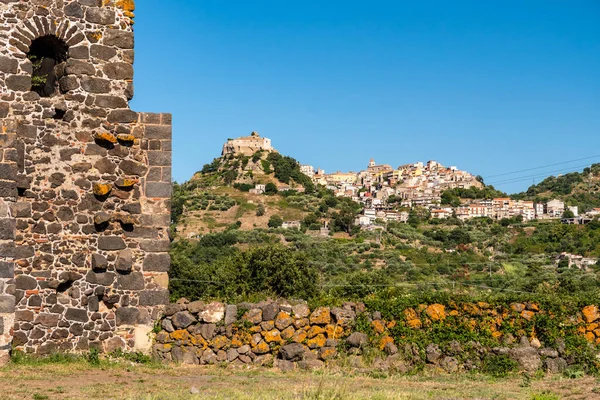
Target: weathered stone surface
111,243
124,262
183,319
127,315
119,38
213,313
527,358
292,352
357,339
269,311
157,262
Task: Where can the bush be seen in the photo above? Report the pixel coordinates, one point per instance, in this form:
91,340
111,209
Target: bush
275,221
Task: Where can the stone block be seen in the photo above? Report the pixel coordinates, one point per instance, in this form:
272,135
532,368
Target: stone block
118,38
158,189
7,269
76,314
111,243
127,316
154,297
132,281
7,304
7,229
157,262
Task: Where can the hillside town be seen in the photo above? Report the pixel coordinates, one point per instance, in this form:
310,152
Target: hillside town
388,194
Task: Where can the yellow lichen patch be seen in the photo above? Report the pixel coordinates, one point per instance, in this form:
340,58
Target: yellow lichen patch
287,333
125,138
236,341
591,327
299,336
385,340
391,324
518,307
219,342
181,334
106,137
314,331
102,189
261,348
316,342
255,329
590,313
496,334
378,326
334,331
321,316
283,320
126,5
436,312
409,314
126,219
453,313
198,340
126,183
527,314
414,323
271,336
301,323
327,353
590,337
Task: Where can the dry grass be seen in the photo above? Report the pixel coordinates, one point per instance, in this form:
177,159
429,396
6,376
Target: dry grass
125,381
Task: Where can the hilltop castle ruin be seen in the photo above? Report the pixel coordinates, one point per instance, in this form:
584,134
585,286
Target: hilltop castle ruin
85,182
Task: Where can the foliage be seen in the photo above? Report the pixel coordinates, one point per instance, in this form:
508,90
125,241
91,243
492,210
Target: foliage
275,221
287,169
214,268
270,188
498,365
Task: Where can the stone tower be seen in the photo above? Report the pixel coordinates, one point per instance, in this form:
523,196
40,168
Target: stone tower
85,182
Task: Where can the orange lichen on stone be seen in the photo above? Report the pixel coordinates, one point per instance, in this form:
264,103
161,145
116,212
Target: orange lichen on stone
102,189
287,333
126,182
321,316
327,353
378,326
316,342
125,138
261,348
391,324
181,334
453,313
527,314
334,331
496,334
590,313
299,336
126,5
235,341
436,312
106,137
272,336
591,327
283,320
414,323
219,342
198,340
385,340
409,314
590,337
255,329
518,307
314,331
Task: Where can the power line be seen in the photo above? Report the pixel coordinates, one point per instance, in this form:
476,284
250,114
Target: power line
541,167
544,174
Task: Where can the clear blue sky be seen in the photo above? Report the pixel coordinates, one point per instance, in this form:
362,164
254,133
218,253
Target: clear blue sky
488,86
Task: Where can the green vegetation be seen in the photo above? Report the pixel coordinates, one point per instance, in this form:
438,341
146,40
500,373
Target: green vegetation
580,189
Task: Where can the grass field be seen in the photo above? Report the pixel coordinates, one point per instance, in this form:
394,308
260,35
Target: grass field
123,380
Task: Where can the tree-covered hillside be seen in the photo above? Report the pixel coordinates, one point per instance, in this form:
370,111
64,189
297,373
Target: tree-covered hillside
576,189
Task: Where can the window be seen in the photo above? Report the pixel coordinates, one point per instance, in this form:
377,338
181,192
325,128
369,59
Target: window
45,54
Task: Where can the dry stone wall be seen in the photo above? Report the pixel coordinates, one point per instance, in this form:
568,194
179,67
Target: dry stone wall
293,336
85,182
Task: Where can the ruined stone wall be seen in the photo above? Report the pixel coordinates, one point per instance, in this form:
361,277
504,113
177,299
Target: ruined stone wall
85,185
453,337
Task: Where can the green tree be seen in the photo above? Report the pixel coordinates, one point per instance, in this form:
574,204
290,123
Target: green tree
568,214
275,221
260,210
270,188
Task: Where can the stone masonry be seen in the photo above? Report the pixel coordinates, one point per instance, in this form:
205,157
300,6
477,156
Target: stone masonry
85,182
